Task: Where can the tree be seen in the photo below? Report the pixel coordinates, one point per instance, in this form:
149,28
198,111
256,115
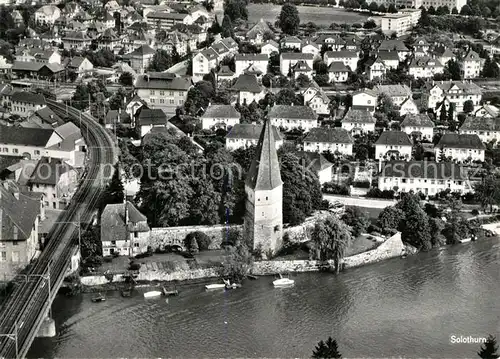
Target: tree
201,239
331,237
289,20
390,218
415,228
490,69
126,79
488,191
392,9
489,350
114,191
431,10
424,20
237,262
468,106
286,97
451,117
236,9
382,8
303,81
327,349
227,27
453,69
161,61
443,115
198,97
72,75
465,10
454,11
370,24
356,219
373,6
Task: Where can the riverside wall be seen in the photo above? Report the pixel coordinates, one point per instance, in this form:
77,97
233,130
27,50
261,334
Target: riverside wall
494,227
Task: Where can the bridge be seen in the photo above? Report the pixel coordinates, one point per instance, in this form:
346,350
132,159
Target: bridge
27,307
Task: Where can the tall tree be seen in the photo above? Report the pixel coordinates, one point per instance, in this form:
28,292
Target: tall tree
443,115
227,27
114,191
490,349
453,70
289,19
161,61
328,349
392,9
490,69
468,106
451,117
488,191
415,228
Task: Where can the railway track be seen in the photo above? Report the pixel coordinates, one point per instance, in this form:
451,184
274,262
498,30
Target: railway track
24,310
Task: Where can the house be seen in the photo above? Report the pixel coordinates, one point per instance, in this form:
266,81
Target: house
316,98
225,75
140,58
134,105
302,68
269,47
486,128
55,180
47,14
337,72
425,67
204,62
419,126
397,93
71,146
43,118
389,58
358,121
163,90
24,103
310,47
318,164
244,135
421,45
38,70
20,215
460,147
289,117
80,65
289,59
124,230
443,54
36,54
348,58
149,118
220,116
334,140
456,92
291,42
424,177
364,100
376,69
471,65
393,145
164,20
485,110
116,117
248,89
77,40
332,42
258,33
258,62
395,45
109,39
408,106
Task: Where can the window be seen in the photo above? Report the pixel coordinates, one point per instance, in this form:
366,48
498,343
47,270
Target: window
15,150
162,100
152,92
162,93
172,101
136,245
3,256
171,93
37,152
152,100
136,234
113,243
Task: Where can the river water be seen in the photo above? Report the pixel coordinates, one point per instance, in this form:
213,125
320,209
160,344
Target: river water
399,307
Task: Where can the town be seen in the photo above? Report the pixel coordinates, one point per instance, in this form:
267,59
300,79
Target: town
147,141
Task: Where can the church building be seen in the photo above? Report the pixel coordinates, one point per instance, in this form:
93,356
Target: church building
264,190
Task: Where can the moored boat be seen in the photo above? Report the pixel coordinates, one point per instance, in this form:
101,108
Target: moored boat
283,282
215,286
152,294
168,293
98,298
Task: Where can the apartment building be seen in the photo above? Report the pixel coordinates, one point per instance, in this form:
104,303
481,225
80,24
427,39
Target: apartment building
292,117
334,140
244,135
471,65
398,24
460,147
393,145
348,58
486,128
163,20
455,92
255,63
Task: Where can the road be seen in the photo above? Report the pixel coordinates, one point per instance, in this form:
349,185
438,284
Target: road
29,303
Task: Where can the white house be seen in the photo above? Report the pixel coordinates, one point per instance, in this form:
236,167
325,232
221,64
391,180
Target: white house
24,103
471,65
424,177
365,100
203,62
460,147
318,164
220,116
456,92
397,93
149,118
80,65
47,14
329,139
348,58
258,63
269,47
310,47
389,58
358,121
393,145
291,42
316,98
244,135
248,89
289,59
418,125
289,117
425,67
408,106
486,128
337,72
376,69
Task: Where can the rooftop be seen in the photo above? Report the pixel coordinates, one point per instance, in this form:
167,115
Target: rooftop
329,135
394,138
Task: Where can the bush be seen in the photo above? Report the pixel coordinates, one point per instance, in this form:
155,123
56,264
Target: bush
134,266
373,228
377,193
361,184
474,212
108,259
333,188
202,240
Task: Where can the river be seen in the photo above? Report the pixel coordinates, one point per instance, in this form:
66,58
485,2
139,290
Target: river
399,307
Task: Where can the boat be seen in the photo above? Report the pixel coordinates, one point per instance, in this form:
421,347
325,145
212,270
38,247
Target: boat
283,282
252,277
152,294
126,293
465,240
215,286
230,285
168,293
98,298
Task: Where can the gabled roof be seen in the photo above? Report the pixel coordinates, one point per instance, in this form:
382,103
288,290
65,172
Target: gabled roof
394,90
425,61
48,171
394,138
423,169
68,130
358,116
221,111
315,161
370,92
250,131
472,56
17,215
153,81
301,66
143,50
296,56
77,61
329,135
225,71
49,116
292,112
28,97
114,220
392,45
481,124
259,28
292,39
247,83
264,173
209,53
454,140
464,86
341,54
420,120
337,66
152,117
251,57
272,43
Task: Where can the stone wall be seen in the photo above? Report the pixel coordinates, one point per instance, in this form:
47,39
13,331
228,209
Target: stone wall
494,227
360,201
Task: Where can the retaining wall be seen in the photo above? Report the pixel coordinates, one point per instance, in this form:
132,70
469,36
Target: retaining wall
360,202
494,227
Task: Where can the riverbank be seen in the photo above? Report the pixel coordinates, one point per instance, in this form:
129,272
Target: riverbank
390,248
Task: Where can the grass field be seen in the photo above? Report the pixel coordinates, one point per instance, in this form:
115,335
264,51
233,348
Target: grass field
317,15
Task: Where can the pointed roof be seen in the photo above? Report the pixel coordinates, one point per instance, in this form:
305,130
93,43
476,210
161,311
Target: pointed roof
264,173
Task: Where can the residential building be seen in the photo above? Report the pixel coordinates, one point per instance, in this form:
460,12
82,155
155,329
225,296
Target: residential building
77,40
291,42
269,47
408,106
257,33
334,140
338,72
318,164
486,128
424,177
358,121
389,58
248,89
124,230
397,93
20,215
421,46
365,100
80,65
302,68
316,98
460,147
425,67
471,65
244,135
109,39
140,58
443,54
225,75
485,110
348,58
376,69
220,116
456,92
419,126
163,90
310,47
24,103
258,62
47,14
149,118
333,42
398,24
203,62
395,45
289,59
163,20
289,117
393,145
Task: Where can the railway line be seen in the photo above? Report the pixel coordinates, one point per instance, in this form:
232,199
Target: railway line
23,312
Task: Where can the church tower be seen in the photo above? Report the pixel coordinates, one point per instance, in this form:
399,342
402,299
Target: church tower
264,191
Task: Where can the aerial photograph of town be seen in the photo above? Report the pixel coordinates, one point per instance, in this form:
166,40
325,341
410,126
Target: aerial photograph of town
250,179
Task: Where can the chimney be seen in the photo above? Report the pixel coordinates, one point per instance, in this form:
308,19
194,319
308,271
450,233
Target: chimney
125,202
